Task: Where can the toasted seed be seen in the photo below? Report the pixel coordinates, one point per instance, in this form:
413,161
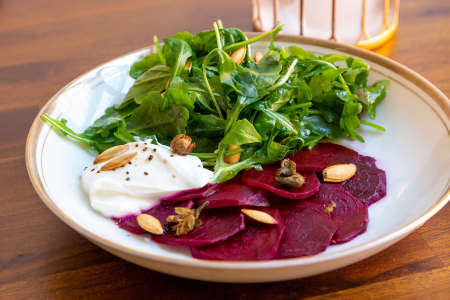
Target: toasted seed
111,152
259,216
258,56
188,65
118,161
232,159
238,55
339,172
150,223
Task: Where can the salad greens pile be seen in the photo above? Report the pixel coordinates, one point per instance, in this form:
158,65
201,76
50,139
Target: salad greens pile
288,100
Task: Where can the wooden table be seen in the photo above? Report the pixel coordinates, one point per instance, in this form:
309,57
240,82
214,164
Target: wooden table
46,43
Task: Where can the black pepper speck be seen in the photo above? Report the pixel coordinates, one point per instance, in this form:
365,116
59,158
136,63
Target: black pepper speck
129,162
145,149
98,171
171,155
154,149
136,145
127,179
145,173
92,170
150,158
127,172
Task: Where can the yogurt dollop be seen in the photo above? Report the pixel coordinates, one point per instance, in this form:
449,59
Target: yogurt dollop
153,173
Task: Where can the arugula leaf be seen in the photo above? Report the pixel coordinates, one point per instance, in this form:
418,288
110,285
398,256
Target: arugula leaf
300,53
242,132
151,118
371,96
350,120
141,66
357,73
317,125
322,84
176,53
154,79
178,94
206,125
280,120
266,72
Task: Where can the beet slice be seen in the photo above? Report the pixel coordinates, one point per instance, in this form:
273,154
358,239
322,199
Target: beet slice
308,229
159,211
191,194
235,194
217,225
257,242
369,182
265,179
349,214
323,155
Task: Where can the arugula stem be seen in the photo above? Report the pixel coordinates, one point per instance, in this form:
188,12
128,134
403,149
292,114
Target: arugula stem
219,22
314,112
208,86
208,163
219,43
159,50
65,130
295,107
234,115
285,77
255,39
216,30
206,156
376,126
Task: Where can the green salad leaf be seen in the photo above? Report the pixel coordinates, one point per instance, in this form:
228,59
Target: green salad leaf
288,100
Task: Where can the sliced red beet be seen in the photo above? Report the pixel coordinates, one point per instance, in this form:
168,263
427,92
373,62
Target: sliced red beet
322,156
369,182
308,229
191,194
265,179
159,211
349,214
217,225
235,194
257,242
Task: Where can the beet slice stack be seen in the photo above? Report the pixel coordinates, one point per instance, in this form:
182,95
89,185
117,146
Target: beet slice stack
323,213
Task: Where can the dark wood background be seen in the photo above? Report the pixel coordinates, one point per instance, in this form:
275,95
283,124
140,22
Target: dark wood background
46,43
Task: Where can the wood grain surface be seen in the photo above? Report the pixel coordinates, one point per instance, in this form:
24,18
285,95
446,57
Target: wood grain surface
46,43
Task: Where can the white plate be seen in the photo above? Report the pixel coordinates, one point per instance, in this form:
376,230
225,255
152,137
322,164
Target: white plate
414,151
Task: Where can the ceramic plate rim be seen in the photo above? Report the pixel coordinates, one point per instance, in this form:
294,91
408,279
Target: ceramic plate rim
435,94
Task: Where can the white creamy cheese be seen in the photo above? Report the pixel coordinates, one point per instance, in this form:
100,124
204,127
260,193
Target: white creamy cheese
154,173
